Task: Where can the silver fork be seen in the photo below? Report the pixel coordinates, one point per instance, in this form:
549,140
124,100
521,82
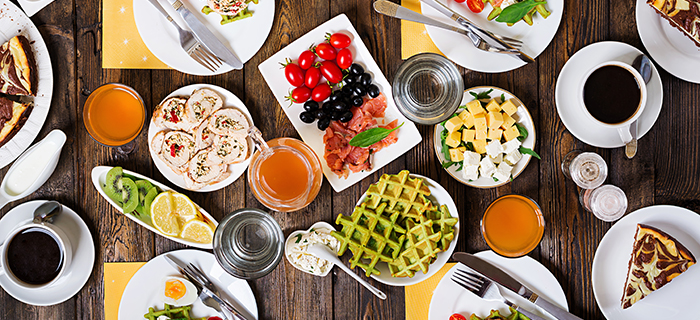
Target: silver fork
486,289
190,44
201,278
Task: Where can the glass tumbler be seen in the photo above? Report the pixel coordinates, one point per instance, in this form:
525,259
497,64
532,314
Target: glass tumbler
587,169
607,202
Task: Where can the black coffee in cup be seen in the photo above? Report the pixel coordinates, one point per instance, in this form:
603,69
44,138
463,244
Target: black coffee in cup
34,256
611,94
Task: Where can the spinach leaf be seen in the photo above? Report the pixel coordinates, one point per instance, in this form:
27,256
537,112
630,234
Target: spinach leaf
369,137
481,95
515,12
529,151
523,132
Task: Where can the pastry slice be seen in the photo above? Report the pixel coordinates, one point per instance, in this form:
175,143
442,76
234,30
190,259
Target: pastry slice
17,68
684,15
13,115
656,259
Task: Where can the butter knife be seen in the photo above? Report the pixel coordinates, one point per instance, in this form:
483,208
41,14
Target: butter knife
497,275
206,37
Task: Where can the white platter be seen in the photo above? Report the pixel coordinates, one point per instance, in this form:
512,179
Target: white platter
408,135
99,177
244,37
14,22
678,298
236,169
522,116
142,290
460,49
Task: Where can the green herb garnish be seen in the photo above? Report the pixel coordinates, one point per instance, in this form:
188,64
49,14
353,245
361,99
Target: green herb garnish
367,138
523,132
482,95
515,12
298,238
503,98
529,151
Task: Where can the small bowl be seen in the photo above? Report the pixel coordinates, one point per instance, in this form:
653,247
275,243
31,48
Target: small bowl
290,243
525,249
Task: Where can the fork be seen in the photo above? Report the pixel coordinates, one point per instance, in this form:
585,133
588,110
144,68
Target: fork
202,279
486,289
190,44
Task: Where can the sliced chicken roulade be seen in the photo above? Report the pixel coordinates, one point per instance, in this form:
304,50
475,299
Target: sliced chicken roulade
171,114
201,104
229,122
227,7
203,137
202,170
230,149
175,148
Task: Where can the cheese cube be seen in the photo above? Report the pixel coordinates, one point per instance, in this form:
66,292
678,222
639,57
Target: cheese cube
480,134
513,157
453,139
471,158
511,145
495,134
457,154
453,124
509,107
508,121
480,122
493,149
475,107
503,172
487,167
471,173
479,146
493,106
468,135
497,159
511,133
467,119
495,119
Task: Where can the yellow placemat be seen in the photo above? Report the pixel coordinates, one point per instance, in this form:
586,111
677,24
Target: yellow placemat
414,37
418,295
122,47
117,275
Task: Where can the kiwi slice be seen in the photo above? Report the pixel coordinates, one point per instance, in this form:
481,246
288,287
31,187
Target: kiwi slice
129,195
144,207
113,184
143,186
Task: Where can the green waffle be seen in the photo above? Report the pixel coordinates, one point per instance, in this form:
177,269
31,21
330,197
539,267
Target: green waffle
404,194
419,249
444,223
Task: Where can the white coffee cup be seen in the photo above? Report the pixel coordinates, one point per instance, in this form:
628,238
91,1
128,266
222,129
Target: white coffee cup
56,233
623,128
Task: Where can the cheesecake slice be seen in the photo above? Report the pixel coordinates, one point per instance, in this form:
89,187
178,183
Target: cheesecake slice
656,259
682,14
13,115
18,72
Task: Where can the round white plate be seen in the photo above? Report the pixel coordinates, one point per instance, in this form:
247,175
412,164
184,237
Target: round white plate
522,116
461,50
236,169
81,265
449,297
669,47
439,196
14,22
142,290
570,82
677,299
244,37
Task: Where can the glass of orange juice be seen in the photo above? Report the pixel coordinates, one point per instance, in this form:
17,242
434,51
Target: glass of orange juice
513,225
114,114
285,174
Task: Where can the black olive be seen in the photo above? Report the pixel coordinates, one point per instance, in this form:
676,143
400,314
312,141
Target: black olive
373,91
346,116
323,123
347,101
307,117
349,80
335,95
366,79
327,107
347,90
311,105
357,101
359,91
320,114
339,106
356,69
336,115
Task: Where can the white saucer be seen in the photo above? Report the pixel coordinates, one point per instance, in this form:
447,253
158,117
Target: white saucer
570,81
80,268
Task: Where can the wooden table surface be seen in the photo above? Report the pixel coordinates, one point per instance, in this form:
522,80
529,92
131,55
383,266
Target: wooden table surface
663,172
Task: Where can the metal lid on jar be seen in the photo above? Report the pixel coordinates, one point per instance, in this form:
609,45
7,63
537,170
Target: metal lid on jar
428,88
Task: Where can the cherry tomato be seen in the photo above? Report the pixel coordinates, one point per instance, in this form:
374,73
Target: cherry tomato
299,95
457,316
331,71
213,318
325,51
294,74
338,40
306,59
475,6
313,75
344,58
321,92
459,1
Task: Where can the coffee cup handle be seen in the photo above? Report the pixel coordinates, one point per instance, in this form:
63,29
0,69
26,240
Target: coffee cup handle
625,134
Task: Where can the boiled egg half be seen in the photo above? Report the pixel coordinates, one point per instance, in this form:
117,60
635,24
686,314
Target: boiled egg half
178,291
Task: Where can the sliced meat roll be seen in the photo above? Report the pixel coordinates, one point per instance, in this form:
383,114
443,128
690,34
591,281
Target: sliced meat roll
203,137
230,149
171,114
176,149
201,104
227,7
229,122
203,170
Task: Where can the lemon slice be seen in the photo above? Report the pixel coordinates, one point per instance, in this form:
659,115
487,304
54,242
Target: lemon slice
183,208
162,215
197,231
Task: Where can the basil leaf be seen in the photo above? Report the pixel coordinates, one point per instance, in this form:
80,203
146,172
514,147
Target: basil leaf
447,164
503,98
461,166
529,151
523,132
482,95
495,179
298,238
369,137
515,12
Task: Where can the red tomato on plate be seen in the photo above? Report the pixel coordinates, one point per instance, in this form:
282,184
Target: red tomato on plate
331,71
457,316
475,6
313,75
344,58
293,73
459,1
338,40
325,51
306,59
299,95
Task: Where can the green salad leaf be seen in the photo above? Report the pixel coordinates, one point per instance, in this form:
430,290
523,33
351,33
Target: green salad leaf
482,95
515,12
529,151
523,132
369,137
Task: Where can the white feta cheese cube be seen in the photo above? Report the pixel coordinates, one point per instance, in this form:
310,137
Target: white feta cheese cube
471,172
513,157
493,149
497,159
471,158
511,145
487,167
503,172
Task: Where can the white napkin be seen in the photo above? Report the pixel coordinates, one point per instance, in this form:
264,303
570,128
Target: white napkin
31,7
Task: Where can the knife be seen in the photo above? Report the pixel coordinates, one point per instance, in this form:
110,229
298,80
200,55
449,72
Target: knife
207,38
495,274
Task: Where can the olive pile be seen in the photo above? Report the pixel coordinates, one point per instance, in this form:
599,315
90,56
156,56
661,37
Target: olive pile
356,85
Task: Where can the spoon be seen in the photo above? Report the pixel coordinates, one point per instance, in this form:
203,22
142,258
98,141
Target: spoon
643,65
47,211
324,252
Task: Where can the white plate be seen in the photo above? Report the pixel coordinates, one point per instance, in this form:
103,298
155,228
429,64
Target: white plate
522,116
99,177
14,22
461,50
449,297
408,135
439,196
81,265
142,290
677,299
245,36
570,82
669,47
290,242
236,169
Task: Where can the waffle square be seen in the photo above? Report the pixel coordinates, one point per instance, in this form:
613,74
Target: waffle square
404,194
444,223
419,249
